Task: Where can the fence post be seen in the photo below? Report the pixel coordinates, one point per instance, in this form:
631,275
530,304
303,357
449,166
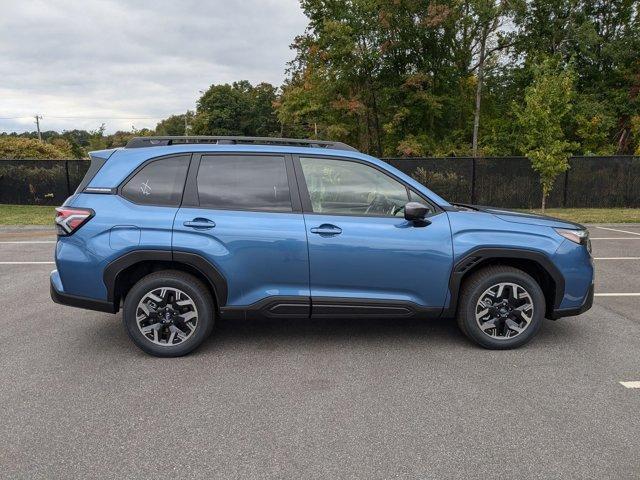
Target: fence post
473,181
564,190
66,169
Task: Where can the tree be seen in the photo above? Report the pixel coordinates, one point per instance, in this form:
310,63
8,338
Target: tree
97,140
546,108
237,109
334,90
175,124
486,18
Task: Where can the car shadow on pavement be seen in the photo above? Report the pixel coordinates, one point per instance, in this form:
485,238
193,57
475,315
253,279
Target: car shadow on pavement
283,333
335,331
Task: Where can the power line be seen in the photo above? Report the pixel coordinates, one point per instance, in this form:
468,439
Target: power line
84,118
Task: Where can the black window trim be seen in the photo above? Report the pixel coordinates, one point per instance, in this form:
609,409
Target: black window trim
144,164
307,208
190,197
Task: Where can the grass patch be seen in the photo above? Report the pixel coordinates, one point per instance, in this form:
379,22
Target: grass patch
26,215
594,215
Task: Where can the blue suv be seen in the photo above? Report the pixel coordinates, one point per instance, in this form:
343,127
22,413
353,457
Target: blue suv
181,231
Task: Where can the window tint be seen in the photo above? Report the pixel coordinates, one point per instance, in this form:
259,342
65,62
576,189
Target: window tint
244,182
351,188
158,183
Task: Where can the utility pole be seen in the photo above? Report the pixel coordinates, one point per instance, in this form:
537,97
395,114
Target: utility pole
38,118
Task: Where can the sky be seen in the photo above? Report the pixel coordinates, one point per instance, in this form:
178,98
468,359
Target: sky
130,63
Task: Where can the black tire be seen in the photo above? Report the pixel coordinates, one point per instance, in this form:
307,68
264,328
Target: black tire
477,284
188,284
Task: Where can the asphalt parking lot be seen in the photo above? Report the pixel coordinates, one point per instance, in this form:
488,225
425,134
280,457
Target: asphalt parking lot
325,399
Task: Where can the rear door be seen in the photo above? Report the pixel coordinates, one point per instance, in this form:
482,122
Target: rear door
242,213
364,257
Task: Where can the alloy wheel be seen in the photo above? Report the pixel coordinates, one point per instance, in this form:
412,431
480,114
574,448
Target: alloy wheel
504,310
166,316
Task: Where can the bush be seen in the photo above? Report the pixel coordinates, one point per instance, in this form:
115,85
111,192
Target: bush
26,148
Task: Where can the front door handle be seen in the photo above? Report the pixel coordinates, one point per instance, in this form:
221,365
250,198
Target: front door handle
200,223
326,230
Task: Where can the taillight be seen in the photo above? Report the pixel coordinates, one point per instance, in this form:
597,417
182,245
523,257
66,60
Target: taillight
68,220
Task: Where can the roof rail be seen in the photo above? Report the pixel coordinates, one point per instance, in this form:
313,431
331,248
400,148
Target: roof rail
140,142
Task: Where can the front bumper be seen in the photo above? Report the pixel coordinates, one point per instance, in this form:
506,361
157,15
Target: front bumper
570,312
58,296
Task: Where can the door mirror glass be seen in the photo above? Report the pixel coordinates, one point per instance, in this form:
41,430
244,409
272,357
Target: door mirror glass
415,211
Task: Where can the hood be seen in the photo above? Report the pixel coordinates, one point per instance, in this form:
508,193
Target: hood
525,217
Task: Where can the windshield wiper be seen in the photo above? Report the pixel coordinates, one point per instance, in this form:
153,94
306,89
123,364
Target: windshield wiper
467,206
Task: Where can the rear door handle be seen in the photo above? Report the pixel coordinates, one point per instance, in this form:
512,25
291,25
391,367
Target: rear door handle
200,223
326,229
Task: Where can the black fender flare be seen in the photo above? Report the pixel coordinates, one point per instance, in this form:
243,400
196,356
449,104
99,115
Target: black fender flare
483,254
199,263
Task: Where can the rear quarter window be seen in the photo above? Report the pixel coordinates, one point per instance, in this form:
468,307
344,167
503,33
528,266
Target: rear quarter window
96,164
159,182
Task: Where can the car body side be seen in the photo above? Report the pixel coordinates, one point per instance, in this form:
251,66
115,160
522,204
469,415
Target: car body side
129,239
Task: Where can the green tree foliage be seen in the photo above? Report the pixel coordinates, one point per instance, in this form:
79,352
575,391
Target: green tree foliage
237,109
546,109
414,77
30,148
601,40
176,124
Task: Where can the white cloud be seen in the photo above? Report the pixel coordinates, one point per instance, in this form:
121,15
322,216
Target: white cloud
136,58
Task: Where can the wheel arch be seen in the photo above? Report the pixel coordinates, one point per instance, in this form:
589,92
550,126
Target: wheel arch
122,273
535,263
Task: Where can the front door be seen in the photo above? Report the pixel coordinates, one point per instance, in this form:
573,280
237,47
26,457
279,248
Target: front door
364,257
240,213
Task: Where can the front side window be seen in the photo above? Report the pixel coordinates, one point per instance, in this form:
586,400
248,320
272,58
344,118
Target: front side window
158,183
244,182
351,188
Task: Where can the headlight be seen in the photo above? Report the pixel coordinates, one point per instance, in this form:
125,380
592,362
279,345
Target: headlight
580,237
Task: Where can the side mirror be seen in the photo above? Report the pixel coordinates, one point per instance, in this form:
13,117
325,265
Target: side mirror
416,212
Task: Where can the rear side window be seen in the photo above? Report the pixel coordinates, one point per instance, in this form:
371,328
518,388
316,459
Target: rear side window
244,182
158,183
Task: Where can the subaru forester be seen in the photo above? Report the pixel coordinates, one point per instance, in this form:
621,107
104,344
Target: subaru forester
181,231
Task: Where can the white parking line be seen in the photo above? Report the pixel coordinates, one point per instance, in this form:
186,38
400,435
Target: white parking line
634,384
617,294
616,230
27,263
616,258
27,241
615,238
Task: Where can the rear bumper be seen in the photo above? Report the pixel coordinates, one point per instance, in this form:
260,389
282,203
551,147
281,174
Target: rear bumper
58,296
570,312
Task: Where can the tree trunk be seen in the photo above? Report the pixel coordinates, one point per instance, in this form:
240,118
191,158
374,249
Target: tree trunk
476,116
376,122
544,200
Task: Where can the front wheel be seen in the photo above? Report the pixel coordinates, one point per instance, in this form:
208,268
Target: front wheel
501,307
168,313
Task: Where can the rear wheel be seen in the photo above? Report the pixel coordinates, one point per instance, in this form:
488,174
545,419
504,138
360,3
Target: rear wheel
501,307
168,313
